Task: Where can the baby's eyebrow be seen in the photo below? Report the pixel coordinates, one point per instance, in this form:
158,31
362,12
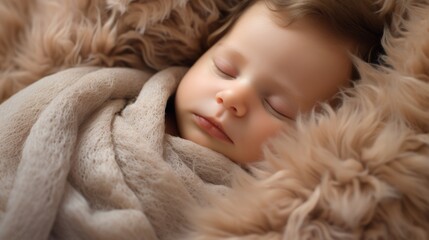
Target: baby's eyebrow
289,91
283,81
231,52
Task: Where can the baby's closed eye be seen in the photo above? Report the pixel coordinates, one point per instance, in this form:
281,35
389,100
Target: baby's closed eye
225,68
278,108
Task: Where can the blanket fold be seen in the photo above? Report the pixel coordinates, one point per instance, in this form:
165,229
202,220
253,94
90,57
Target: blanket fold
82,160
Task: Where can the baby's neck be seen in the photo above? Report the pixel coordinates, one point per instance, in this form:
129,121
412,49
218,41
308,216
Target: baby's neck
170,118
170,126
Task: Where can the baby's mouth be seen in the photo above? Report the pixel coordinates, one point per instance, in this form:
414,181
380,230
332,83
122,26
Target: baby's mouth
212,127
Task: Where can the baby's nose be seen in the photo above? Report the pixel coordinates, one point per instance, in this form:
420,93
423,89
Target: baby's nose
233,100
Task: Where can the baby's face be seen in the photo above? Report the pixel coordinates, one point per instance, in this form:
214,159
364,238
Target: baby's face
256,80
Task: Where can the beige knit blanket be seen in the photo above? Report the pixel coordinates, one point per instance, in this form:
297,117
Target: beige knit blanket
82,158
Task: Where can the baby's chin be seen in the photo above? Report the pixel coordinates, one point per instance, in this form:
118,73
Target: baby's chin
242,158
239,157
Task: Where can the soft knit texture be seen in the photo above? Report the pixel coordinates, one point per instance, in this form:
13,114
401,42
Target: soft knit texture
79,160
360,172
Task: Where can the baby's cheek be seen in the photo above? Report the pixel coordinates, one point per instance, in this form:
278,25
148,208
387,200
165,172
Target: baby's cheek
262,134
272,129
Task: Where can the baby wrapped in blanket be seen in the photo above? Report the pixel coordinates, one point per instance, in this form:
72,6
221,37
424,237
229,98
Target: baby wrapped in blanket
81,159
84,164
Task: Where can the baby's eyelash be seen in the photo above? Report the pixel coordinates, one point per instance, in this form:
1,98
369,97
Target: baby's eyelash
224,72
273,111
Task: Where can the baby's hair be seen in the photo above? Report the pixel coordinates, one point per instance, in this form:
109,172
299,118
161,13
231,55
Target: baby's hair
357,20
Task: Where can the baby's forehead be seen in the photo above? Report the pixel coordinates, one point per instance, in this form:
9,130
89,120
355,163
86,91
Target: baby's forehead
300,59
288,58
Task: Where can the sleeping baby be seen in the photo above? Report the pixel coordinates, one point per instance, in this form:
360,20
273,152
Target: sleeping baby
115,153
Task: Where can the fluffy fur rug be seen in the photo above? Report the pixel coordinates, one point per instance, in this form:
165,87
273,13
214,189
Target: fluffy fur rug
361,172
40,37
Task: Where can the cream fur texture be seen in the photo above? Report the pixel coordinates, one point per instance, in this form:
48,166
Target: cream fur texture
361,172
40,37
